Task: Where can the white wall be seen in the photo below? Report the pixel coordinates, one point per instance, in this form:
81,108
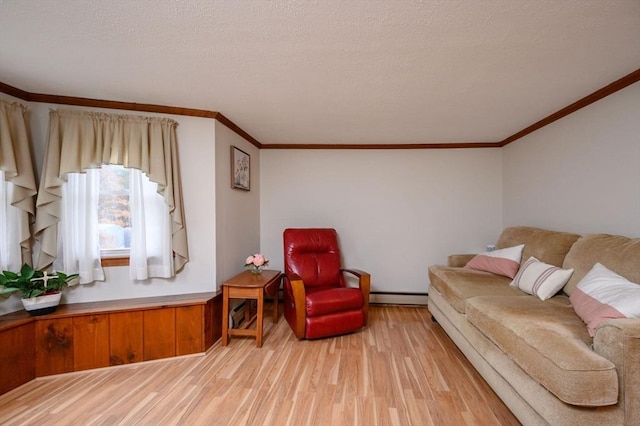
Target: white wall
237,211
396,211
580,174
196,146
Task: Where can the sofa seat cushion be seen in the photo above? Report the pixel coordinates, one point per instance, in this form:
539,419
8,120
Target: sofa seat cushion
457,285
550,343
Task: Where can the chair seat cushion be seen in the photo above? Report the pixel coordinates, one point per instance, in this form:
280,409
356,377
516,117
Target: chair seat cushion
333,324
323,300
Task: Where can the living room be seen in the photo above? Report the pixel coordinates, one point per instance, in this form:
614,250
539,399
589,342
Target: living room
397,209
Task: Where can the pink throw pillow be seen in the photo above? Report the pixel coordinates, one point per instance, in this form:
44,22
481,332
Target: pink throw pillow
602,294
502,262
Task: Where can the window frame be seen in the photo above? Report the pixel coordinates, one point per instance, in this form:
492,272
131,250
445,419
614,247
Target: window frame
114,261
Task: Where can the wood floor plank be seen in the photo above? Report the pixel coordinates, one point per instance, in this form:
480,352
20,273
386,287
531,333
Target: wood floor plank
400,370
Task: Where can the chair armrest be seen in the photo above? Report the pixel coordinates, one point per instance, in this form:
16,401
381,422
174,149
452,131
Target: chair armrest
299,296
459,260
364,282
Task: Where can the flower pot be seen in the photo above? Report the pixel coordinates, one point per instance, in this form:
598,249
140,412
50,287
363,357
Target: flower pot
42,305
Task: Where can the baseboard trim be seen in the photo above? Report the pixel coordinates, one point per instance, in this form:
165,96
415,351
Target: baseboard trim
385,298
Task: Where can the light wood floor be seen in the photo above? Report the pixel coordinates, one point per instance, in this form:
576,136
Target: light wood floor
401,370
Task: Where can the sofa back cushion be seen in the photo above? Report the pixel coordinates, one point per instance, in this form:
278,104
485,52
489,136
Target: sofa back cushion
547,246
617,253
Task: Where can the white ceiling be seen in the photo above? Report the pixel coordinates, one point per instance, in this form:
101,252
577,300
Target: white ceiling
328,71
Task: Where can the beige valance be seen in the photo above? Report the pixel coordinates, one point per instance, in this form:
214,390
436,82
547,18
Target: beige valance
15,161
81,140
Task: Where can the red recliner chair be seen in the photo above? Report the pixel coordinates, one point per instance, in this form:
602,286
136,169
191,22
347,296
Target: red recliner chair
317,301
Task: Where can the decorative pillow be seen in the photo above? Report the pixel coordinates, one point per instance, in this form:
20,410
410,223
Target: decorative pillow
602,294
502,262
541,279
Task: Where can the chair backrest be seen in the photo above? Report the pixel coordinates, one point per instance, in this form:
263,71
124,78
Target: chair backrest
314,255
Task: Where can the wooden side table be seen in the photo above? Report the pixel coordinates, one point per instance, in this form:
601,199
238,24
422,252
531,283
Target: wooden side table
247,285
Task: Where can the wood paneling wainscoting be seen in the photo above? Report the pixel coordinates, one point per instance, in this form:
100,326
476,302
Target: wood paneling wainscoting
84,336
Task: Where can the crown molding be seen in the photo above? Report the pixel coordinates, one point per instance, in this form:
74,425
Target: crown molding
443,145
617,85
127,106
99,103
607,90
14,91
233,126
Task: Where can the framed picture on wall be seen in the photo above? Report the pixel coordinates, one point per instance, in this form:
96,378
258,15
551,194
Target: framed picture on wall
240,169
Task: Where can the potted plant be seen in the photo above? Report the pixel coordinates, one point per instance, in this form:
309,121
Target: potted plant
40,291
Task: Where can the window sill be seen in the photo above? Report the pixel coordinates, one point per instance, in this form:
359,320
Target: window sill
114,261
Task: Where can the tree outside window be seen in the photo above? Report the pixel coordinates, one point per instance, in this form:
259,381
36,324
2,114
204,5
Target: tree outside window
114,216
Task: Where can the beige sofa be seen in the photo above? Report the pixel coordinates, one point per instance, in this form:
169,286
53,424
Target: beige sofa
538,355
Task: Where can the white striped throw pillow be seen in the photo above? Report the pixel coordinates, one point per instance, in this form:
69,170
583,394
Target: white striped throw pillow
541,279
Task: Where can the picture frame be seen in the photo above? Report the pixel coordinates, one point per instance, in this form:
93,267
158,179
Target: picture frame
240,169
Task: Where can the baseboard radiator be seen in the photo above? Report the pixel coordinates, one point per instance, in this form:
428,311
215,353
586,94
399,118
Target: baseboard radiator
397,298
392,298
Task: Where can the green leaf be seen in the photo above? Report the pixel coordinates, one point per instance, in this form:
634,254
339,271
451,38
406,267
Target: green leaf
34,293
10,275
27,271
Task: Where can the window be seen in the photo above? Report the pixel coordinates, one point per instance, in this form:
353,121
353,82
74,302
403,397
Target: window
114,215
113,212
131,213
77,197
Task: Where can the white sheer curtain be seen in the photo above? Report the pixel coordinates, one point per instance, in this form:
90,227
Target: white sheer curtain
151,254
78,238
78,235
10,253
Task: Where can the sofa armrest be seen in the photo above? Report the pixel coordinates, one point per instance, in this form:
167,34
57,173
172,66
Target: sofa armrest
618,340
459,260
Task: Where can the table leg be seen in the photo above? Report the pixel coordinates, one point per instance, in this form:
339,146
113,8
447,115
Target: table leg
260,318
247,310
275,307
225,316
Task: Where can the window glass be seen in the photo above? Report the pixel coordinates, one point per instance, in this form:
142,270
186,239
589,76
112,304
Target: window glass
114,216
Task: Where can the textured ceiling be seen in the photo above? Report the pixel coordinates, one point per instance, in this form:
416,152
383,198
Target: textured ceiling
328,71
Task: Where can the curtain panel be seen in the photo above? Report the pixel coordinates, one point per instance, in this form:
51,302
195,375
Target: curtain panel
79,140
17,168
78,235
